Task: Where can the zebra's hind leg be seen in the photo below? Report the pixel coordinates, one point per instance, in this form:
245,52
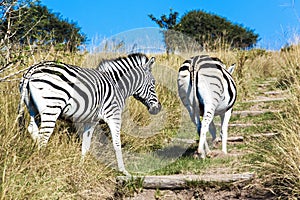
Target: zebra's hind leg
87,137
33,128
48,120
224,129
198,125
207,119
35,121
212,130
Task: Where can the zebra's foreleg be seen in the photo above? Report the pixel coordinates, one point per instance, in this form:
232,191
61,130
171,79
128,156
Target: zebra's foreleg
87,137
224,129
115,132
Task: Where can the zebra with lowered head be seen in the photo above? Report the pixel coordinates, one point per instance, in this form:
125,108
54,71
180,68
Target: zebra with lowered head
207,89
53,90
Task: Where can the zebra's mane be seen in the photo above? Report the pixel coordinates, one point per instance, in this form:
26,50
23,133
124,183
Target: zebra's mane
138,59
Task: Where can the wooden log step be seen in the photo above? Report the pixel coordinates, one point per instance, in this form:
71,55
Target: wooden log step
232,139
266,83
264,99
245,113
277,92
268,135
191,141
180,181
229,139
241,125
241,138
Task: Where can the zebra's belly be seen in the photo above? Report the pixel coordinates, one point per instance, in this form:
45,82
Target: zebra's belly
80,112
221,109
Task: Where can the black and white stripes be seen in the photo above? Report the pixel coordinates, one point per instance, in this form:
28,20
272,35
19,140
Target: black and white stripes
207,89
53,90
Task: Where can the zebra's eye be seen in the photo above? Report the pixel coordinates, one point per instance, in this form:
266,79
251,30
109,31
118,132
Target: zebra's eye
153,81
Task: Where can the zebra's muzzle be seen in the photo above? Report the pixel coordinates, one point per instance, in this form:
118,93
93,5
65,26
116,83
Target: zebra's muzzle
153,110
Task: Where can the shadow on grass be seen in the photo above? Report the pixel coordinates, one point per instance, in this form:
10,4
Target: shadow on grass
177,151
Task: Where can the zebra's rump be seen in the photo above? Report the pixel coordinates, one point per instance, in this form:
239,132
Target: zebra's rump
205,80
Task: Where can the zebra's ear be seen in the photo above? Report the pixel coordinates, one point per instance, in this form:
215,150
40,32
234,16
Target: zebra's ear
231,68
150,63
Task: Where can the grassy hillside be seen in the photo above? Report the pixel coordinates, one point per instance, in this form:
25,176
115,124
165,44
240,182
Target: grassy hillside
150,143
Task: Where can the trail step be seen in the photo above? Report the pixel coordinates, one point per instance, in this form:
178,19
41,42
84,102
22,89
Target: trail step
275,92
245,113
267,135
191,141
266,99
229,139
242,125
180,181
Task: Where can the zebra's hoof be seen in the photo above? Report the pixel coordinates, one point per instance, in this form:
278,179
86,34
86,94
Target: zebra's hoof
126,173
216,142
198,155
211,154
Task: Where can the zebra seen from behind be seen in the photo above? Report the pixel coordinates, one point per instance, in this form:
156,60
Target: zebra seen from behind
207,89
53,90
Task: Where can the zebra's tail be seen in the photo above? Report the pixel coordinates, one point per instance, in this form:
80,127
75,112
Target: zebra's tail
20,120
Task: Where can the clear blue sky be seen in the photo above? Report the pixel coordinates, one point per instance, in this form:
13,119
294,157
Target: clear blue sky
276,21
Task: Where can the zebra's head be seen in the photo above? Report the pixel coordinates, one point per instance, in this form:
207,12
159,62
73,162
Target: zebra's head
146,92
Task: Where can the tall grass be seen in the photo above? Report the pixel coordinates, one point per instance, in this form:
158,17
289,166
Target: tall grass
278,160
